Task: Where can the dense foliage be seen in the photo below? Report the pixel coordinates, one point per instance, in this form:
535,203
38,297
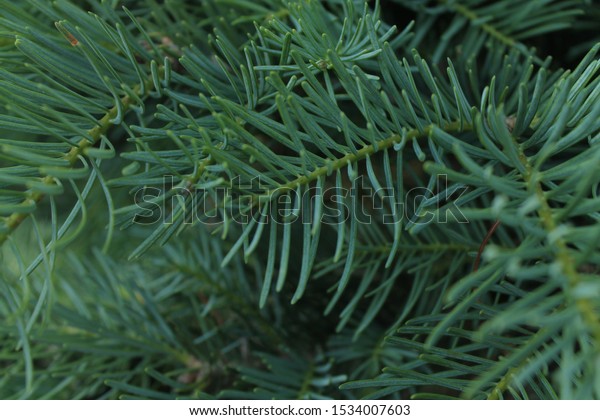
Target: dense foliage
299,199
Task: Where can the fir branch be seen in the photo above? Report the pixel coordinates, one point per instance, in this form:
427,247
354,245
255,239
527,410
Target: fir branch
304,299
566,260
332,165
473,17
72,156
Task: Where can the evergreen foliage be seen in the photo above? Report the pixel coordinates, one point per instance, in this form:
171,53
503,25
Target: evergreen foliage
287,199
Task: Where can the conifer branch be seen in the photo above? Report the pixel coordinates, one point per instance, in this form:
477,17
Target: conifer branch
13,221
371,294
361,154
567,263
472,16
